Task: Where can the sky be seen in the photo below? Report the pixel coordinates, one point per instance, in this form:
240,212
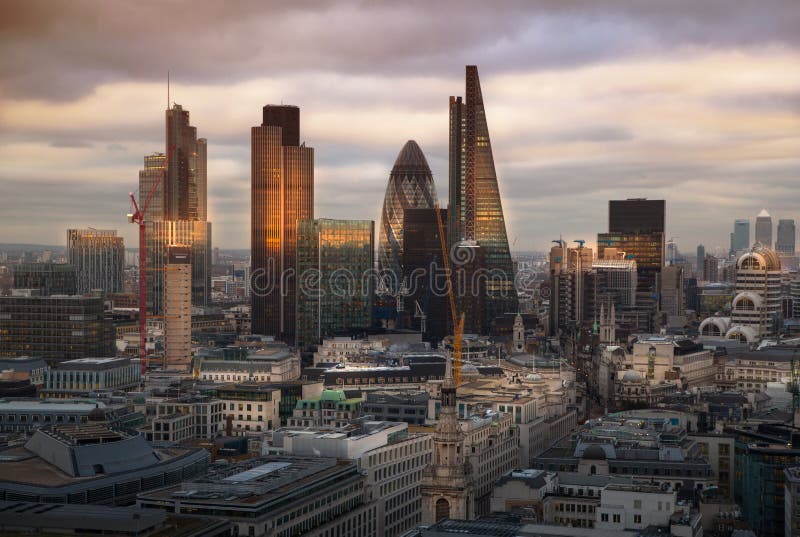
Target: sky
694,102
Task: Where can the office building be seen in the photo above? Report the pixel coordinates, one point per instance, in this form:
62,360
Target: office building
98,256
282,193
274,363
756,308
250,408
47,278
569,270
277,496
740,238
785,245
636,215
475,212
428,306
617,279
710,268
764,229
333,408
22,416
410,186
178,210
183,418
334,262
410,406
57,328
673,303
178,309
91,463
84,376
701,255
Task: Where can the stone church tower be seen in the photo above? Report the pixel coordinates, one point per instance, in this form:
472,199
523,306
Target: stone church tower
447,487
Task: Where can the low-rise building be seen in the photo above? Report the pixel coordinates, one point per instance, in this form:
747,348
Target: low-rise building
751,371
250,408
25,415
30,368
185,418
75,378
277,496
635,507
333,408
410,406
274,363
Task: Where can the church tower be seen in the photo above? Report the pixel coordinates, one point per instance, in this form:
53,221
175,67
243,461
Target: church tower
519,336
447,488
608,325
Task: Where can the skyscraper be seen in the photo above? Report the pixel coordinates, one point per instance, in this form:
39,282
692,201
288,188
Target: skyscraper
334,263
785,245
177,213
98,256
475,212
282,193
764,229
48,278
410,186
701,256
740,238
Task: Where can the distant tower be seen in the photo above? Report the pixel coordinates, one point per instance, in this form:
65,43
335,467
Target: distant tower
519,335
447,487
785,242
98,256
701,255
764,229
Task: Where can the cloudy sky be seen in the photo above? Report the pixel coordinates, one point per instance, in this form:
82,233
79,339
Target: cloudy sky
695,102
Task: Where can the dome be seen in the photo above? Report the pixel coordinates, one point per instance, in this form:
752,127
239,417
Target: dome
631,375
742,333
594,453
533,376
715,326
96,414
759,258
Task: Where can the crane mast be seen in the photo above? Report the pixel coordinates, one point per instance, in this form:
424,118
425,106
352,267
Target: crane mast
458,321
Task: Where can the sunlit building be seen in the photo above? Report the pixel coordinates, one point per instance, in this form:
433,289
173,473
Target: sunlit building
282,193
178,309
334,264
475,212
756,307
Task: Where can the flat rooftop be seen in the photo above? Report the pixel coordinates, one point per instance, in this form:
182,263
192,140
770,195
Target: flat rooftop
93,364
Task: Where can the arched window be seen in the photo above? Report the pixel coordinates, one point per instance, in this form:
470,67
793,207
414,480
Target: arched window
593,469
442,509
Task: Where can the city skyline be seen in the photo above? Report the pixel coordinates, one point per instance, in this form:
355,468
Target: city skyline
628,110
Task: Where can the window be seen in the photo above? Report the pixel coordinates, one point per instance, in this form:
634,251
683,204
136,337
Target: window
604,517
617,519
637,519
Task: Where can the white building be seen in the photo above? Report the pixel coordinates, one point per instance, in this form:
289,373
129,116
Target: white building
86,375
634,507
756,308
249,408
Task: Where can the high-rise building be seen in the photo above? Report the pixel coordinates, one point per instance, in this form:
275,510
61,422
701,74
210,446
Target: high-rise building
636,215
475,212
673,303
710,268
756,308
740,238
57,328
47,278
423,266
98,256
701,256
334,269
282,193
178,308
569,268
178,210
785,245
764,229
410,186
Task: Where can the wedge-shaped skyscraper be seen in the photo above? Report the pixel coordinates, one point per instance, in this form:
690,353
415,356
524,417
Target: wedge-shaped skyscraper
476,212
410,186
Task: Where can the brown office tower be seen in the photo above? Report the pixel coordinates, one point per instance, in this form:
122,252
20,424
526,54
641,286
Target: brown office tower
178,309
282,192
476,212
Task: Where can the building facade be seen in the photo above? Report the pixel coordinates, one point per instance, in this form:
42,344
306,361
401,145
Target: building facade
76,378
282,193
785,245
47,278
178,309
334,264
756,307
475,212
740,238
98,256
764,229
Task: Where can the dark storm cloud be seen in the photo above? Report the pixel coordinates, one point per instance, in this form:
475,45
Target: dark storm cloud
60,50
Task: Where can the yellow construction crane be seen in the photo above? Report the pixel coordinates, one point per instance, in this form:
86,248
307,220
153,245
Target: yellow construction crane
458,320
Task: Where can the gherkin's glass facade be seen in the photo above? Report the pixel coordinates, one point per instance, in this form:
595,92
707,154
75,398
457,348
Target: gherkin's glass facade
476,211
334,277
410,186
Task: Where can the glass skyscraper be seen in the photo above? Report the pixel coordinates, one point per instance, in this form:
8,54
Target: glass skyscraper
334,277
740,238
410,186
475,211
282,193
785,244
764,229
98,256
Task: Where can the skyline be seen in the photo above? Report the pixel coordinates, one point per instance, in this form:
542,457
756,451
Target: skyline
625,109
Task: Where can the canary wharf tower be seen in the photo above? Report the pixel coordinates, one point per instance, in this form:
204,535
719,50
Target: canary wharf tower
476,212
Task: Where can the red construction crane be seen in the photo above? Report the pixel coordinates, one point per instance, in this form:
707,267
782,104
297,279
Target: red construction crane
137,217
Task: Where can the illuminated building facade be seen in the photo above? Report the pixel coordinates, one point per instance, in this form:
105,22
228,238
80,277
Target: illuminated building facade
334,264
410,186
178,309
475,212
98,256
282,193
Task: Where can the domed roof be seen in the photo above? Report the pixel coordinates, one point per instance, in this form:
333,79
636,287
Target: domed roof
594,453
411,156
631,375
96,414
760,256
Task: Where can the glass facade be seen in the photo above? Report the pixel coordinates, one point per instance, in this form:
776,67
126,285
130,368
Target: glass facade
282,193
334,271
410,186
476,211
647,249
48,278
98,256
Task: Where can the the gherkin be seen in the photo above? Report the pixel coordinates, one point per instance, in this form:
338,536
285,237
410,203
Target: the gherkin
410,186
